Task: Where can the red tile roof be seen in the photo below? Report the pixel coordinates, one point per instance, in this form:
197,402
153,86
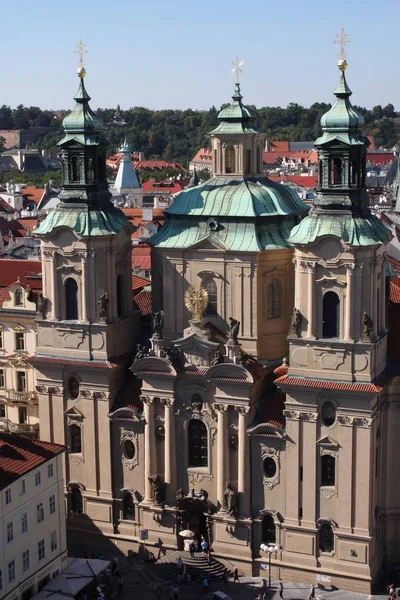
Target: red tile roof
380,158
279,146
139,282
19,455
32,194
344,386
394,293
164,187
271,158
308,181
204,155
28,271
143,302
142,262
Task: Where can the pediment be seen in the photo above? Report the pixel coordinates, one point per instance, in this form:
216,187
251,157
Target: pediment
210,242
194,342
73,413
328,441
228,371
18,360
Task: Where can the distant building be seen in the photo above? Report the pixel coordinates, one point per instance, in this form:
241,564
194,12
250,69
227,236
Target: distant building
202,161
33,547
29,161
21,138
126,190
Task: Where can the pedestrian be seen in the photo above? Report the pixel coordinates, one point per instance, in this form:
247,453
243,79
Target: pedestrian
281,590
192,549
312,592
179,564
236,575
259,597
264,596
204,547
205,584
175,593
114,564
120,583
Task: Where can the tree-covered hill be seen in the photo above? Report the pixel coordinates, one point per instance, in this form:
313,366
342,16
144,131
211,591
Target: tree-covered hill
176,135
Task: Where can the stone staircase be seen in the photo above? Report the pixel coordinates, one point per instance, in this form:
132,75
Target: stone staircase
198,566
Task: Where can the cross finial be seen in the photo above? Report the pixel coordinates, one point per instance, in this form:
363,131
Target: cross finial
342,39
237,70
80,50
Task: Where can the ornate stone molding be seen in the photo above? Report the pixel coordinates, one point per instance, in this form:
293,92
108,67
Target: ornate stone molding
268,452
56,391
76,459
243,410
207,415
86,393
221,407
147,400
328,492
291,415
168,402
124,436
326,451
198,477
311,417
363,422
345,420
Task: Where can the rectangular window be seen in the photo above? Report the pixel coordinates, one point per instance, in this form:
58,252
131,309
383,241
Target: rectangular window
11,571
22,415
52,504
53,541
2,411
10,532
19,341
41,550
1,341
24,522
25,561
50,470
8,496
21,381
38,478
2,380
22,487
40,512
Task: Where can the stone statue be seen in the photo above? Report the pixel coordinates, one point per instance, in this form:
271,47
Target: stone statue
141,351
230,501
180,495
11,235
367,328
218,358
203,494
157,489
173,355
158,322
103,306
41,306
295,323
234,332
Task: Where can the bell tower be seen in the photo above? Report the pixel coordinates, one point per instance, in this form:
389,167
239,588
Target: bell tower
87,327
337,350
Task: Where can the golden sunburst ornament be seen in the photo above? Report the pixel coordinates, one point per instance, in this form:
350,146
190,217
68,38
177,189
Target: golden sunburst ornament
196,300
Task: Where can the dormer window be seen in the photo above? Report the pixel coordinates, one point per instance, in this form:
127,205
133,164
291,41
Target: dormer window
18,297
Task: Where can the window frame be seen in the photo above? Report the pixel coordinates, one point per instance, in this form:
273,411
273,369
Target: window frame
12,565
53,541
50,470
39,512
21,381
19,340
10,532
41,548
201,463
323,527
26,557
22,487
38,478
52,504
2,378
19,295
274,298
78,448
8,496
24,522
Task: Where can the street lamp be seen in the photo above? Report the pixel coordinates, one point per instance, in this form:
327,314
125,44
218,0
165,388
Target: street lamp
270,550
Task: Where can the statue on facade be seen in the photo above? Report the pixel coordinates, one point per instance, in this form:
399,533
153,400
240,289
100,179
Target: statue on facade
180,495
234,331
158,322
218,358
173,355
295,323
157,489
230,501
41,306
103,306
141,351
367,328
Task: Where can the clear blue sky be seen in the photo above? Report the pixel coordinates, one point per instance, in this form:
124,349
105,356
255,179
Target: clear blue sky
178,54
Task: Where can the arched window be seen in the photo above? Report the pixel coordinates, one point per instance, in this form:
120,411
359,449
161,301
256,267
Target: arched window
212,306
75,440
128,508
198,444
71,299
120,295
74,174
331,317
320,172
336,171
274,299
328,464
229,159
259,163
326,538
268,533
247,162
76,501
89,170
18,297
354,172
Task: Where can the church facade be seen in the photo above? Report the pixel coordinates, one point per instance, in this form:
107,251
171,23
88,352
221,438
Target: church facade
212,428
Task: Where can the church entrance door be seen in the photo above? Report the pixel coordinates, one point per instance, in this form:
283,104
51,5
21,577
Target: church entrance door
196,522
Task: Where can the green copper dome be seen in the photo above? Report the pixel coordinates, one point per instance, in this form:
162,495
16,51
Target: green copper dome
342,122
82,124
235,118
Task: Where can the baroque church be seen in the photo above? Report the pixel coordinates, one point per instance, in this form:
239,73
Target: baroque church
262,412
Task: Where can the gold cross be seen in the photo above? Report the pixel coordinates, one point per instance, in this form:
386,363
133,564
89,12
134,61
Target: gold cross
81,51
193,482
342,39
236,69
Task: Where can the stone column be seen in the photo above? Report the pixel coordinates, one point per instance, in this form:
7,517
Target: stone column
311,300
345,473
112,307
84,286
54,288
297,297
169,450
374,286
348,333
221,460
243,462
382,297
292,466
223,147
148,444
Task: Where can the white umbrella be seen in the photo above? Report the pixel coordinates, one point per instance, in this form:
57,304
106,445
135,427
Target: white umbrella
186,533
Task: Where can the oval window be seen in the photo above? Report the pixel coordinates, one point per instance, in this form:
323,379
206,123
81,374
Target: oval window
73,387
269,466
129,449
328,413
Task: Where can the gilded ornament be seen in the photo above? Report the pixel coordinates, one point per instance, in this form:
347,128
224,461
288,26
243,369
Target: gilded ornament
196,301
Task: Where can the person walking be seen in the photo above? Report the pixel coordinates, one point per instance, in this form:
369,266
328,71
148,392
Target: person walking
236,575
120,584
179,564
311,595
205,584
191,549
280,590
204,547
